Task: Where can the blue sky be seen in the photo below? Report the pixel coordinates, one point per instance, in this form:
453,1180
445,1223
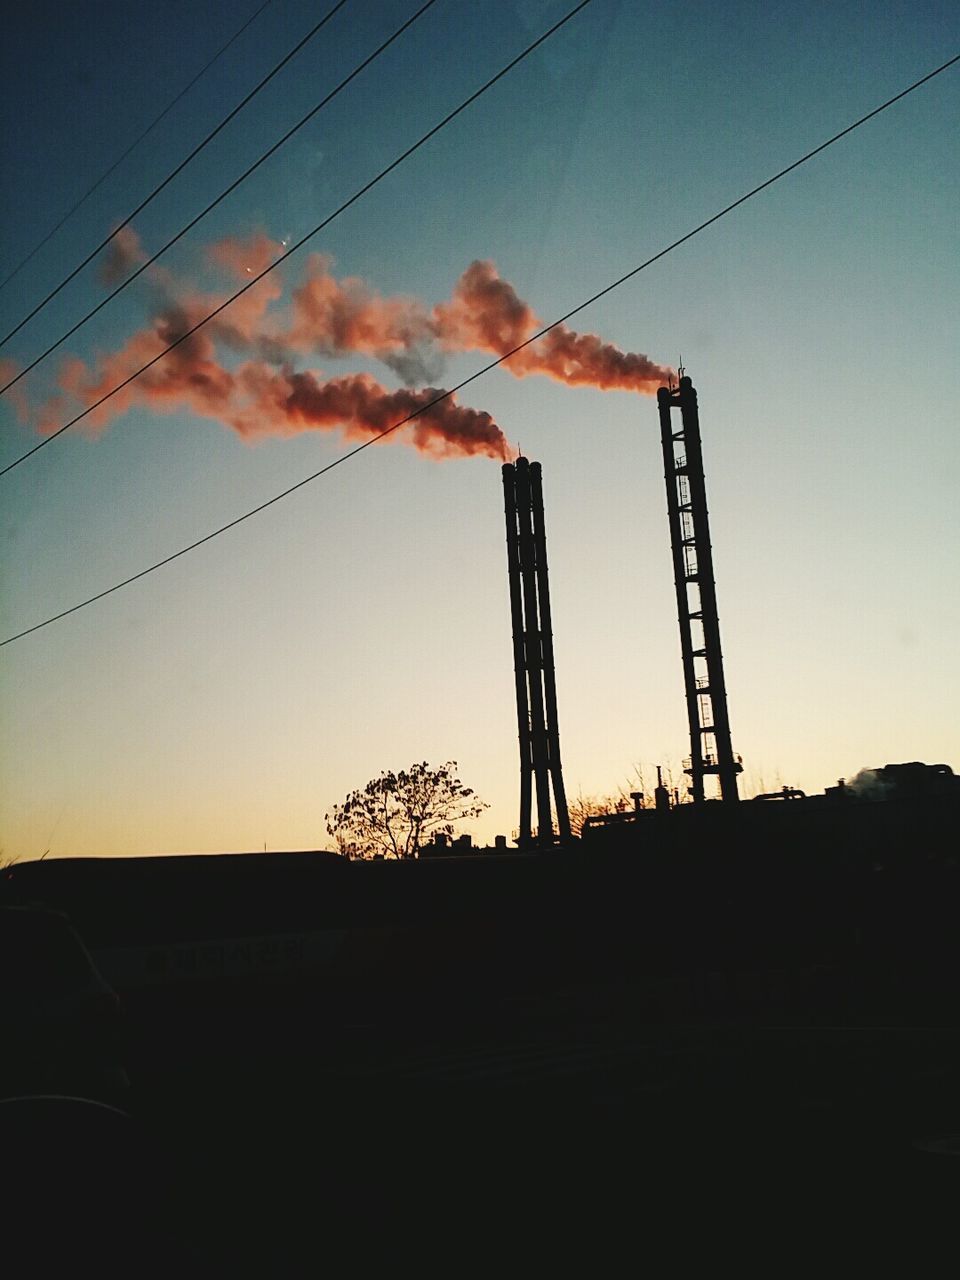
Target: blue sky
229,700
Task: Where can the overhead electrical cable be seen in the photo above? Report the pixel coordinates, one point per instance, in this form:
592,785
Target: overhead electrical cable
222,196
254,280
179,169
133,145
493,363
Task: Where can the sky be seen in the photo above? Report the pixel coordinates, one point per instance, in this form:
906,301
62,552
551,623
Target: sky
227,701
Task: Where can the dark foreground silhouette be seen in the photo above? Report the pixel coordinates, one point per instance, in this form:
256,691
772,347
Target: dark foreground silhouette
547,1135
515,1063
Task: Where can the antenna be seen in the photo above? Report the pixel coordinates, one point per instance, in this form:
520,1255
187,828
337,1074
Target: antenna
680,369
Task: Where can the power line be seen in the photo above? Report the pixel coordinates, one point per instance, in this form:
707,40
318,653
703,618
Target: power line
493,363
133,145
222,196
254,280
179,169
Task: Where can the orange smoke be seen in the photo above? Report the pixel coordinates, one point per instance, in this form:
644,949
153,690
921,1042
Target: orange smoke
337,316
245,257
18,396
123,254
363,408
266,393
256,399
583,360
486,314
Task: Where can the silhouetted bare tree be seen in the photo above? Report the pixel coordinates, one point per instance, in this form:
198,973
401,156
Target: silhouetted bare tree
618,801
584,807
395,813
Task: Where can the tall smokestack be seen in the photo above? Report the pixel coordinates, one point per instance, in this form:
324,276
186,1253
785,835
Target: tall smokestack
519,654
711,751
546,645
533,655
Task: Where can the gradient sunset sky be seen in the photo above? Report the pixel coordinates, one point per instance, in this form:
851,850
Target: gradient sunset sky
227,701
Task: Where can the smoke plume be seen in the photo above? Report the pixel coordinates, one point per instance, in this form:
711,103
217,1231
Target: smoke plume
245,257
243,368
123,255
869,785
486,314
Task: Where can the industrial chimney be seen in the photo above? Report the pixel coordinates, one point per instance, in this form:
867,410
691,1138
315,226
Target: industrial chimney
533,655
711,751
